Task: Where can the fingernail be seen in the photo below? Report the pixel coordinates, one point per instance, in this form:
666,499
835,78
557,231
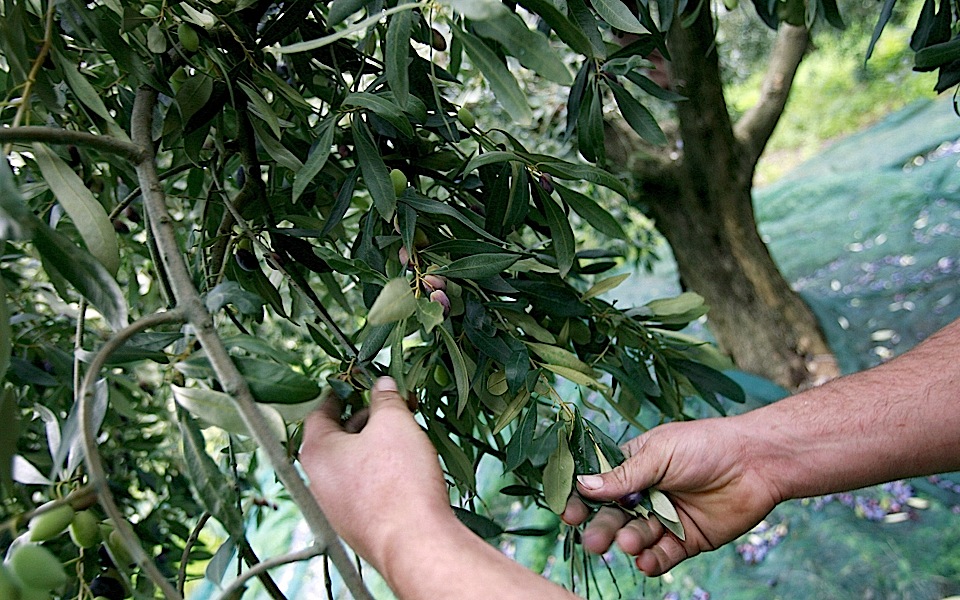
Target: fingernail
385,384
590,482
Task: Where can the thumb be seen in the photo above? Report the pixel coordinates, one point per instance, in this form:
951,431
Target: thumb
386,395
633,475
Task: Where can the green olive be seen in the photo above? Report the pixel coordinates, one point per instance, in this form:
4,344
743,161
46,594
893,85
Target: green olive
37,568
399,180
85,529
466,117
150,11
51,522
188,37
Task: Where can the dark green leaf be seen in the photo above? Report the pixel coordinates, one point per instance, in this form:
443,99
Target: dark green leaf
708,380
376,337
230,292
590,125
558,476
383,108
478,266
638,116
9,434
498,77
435,207
885,13
530,47
566,30
483,526
520,445
460,374
564,244
618,16
318,157
397,55
211,487
375,172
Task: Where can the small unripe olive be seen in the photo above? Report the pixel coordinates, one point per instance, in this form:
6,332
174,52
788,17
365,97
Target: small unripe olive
466,117
36,567
399,180
150,11
85,529
441,376
118,551
188,37
50,523
420,239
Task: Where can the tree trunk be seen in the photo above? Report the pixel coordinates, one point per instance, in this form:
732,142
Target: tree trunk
701,201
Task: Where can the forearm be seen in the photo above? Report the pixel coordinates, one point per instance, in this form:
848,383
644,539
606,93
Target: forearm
901,419
443,559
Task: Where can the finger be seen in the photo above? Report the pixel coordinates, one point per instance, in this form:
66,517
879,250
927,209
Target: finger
634,474
576,511
385,395
662,556
638,535
603,528
357,422
325,420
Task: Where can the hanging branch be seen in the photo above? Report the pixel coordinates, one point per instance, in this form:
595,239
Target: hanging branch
98,477
232,381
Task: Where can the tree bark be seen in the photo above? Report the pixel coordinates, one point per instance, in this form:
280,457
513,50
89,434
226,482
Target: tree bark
699,195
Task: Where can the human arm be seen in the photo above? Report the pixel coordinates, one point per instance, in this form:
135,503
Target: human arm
383,491
901,419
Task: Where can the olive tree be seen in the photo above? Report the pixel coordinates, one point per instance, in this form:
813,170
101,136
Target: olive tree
215,213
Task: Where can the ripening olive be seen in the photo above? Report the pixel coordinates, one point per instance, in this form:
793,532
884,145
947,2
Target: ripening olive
36,567
8,585
546,182
403,255
399,180
188,37
85,529
433,282
246,259
466,117
107,587
440,297
50,523
437,40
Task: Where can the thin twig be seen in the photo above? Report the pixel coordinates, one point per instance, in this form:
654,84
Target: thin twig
187,548
236,584
95,470
226,371
54,135
250,557
32,75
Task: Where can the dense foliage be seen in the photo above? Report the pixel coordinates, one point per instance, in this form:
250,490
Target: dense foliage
282,199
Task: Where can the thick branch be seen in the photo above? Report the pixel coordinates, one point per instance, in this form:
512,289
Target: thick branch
233,382
52,135
754,129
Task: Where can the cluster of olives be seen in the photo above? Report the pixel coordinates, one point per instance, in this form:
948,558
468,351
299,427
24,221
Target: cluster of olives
433,285
33,572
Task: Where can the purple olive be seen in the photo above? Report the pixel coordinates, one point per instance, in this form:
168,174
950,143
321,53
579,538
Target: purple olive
440,297
432,283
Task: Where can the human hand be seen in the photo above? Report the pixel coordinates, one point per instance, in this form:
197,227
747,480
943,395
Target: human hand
377,477
706,469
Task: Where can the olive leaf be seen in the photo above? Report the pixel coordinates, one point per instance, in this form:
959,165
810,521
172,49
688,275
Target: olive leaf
558,475
395,302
